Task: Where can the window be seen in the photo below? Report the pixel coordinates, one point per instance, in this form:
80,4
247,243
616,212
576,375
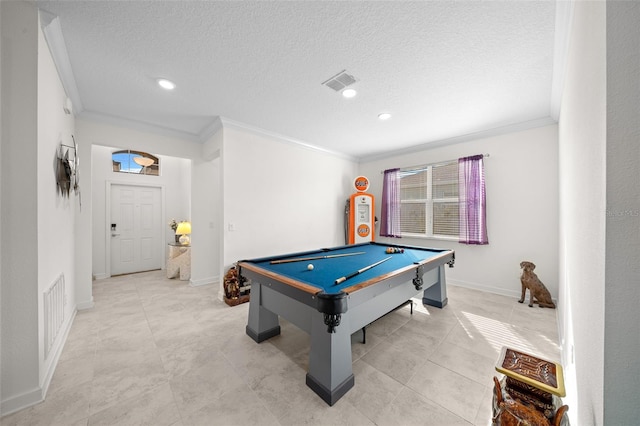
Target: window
429,200
136,162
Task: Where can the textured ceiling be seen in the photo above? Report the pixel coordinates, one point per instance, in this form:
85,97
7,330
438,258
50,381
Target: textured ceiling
442,68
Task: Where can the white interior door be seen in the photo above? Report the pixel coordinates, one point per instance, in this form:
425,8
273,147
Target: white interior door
135,229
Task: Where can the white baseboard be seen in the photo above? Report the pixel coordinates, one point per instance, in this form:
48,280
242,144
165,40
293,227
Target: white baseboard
101,276
37,395
515,293
85,305
488,289
19,402
204,281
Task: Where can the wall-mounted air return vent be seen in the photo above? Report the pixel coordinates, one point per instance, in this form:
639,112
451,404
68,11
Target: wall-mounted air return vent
340,81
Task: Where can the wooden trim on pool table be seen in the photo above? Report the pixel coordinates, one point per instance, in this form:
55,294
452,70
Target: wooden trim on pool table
313,289
377,279
282,278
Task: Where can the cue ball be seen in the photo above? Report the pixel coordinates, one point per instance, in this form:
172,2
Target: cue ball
310,267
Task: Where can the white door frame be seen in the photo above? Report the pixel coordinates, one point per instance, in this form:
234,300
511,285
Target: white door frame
107,225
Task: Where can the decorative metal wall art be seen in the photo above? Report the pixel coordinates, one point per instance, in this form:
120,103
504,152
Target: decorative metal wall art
67,170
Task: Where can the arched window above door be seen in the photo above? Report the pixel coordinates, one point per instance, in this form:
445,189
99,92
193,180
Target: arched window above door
136,162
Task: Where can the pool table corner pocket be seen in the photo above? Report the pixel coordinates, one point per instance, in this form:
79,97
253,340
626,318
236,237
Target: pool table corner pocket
332,306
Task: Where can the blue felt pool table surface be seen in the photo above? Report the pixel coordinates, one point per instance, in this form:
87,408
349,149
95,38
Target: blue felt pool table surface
326,271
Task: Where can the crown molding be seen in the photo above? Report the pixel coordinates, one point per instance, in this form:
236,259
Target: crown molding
53,34
214,126
217,123
497,131
262,132
564,20
52,30
137,125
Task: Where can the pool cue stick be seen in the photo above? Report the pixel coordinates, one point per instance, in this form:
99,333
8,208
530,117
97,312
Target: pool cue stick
359,271
301,259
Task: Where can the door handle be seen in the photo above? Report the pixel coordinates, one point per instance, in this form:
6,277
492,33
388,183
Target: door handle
114,234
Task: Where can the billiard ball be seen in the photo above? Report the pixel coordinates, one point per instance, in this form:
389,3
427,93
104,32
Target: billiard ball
391,250
310,266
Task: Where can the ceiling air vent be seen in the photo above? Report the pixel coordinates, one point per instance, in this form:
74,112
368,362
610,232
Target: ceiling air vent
340,81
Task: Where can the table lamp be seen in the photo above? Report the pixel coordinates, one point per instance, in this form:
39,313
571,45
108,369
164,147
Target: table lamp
184,230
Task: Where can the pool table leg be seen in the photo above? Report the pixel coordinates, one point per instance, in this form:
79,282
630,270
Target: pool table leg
330,372
436,295
262,324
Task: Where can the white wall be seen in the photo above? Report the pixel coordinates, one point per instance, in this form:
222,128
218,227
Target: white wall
174,179
1,144
19,372
582,139
98,135
83,227
622,271
206,259
56,213
280,197
600,214
105,134
205,226
522,208
37,224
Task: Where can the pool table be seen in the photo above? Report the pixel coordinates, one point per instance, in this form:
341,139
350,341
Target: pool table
330,308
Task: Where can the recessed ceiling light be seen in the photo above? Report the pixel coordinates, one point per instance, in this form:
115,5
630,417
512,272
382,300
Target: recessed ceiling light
384,116
166,84
349,93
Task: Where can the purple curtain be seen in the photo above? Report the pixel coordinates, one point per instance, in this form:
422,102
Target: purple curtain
471,193
390,222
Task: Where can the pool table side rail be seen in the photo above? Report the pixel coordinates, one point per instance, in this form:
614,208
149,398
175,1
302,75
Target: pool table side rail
328,250
318,252
278,277
375,243
447,255
435,259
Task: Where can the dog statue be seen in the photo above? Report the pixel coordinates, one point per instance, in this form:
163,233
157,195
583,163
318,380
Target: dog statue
538,293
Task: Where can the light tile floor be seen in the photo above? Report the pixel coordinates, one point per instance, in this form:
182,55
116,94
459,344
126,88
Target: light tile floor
155,351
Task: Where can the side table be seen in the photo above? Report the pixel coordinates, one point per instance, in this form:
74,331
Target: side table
530,391
179,261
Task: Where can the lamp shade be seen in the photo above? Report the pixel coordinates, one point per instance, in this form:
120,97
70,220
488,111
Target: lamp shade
184,228
143,161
